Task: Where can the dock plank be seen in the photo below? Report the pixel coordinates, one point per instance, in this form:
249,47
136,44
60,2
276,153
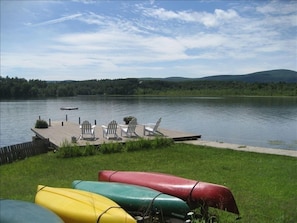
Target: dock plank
58,133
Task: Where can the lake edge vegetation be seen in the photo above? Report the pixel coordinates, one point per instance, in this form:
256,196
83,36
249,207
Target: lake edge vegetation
262,84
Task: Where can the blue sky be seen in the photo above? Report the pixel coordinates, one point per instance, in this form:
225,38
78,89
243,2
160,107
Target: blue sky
88,39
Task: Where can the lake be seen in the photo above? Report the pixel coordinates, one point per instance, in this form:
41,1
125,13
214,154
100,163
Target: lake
256,121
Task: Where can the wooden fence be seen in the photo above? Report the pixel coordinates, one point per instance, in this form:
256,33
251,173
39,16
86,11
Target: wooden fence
9,154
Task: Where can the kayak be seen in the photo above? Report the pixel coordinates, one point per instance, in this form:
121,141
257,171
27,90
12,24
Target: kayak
16,211
75,206
195,193
137,199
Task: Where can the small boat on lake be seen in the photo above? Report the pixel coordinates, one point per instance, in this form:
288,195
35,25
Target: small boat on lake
69,108
195,193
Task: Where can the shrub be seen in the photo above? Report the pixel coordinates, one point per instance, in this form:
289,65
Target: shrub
41,124
160,142
68,149
111,147
127,119
146,144
141,144
89,150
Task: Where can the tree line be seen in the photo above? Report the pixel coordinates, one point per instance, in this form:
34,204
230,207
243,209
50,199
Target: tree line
17,88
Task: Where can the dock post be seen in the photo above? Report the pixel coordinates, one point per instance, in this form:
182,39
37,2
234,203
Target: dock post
49,122
66,118
62,124
79,120
95,122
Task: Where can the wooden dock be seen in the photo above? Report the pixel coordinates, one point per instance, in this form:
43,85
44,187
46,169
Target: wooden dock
59,131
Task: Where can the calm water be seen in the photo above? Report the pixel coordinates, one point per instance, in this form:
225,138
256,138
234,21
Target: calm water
265,122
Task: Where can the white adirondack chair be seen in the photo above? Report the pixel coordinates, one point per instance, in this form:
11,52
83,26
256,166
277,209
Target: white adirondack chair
129,129
152,128
110,129
87,130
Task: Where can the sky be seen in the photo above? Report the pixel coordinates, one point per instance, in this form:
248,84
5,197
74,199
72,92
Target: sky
109,39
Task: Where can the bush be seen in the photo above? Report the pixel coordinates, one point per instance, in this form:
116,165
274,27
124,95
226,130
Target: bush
136,145
160,142
41,124
146,144
112,147
68,149
127,119
141,144
89,150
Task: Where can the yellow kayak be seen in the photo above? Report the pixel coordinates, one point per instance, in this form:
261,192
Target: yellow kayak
76,206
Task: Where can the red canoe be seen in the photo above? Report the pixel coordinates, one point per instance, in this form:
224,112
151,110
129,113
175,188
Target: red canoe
194,192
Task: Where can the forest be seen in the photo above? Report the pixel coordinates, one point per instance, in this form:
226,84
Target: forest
20,88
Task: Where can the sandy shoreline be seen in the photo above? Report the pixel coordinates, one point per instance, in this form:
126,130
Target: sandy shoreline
282,152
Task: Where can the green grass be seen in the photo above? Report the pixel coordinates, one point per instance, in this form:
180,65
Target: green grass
264,186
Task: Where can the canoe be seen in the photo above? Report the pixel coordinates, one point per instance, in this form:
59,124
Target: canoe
195,193
137,199
75,206
16,211
69,108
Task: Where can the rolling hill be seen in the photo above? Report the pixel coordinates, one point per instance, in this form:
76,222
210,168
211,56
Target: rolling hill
269,76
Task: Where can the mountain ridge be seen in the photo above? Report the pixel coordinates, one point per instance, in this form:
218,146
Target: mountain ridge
279,75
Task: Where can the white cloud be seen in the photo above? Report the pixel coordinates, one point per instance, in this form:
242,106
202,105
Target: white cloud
93,19
278,7
207,19
59,20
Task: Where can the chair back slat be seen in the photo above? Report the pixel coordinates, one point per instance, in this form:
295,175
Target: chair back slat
86,127
112,127
157,125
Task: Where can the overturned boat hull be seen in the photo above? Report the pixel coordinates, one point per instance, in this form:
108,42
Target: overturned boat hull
137,199
77,206
195,193
16,211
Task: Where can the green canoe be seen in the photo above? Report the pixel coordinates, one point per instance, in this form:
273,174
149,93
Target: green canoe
136,199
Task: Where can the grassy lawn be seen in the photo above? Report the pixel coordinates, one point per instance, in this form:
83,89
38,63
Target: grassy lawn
264,186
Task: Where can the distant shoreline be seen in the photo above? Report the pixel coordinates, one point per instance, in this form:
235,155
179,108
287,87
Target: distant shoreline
266,83
245,148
